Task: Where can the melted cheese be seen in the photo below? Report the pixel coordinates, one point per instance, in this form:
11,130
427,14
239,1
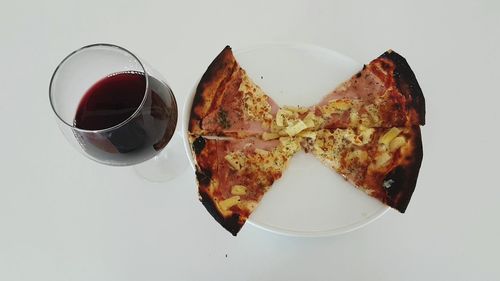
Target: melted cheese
329,146
345,144
256,103
238,190
354,118
373,114
274,160
247,205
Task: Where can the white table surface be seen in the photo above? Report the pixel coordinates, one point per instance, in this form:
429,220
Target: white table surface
64,217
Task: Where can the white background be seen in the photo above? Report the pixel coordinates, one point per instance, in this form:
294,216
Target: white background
63,217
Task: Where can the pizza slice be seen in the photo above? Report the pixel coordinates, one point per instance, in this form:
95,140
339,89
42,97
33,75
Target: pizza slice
383,162
228,103
385,93
234,174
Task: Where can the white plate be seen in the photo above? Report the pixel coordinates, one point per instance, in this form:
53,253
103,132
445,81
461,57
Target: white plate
309,199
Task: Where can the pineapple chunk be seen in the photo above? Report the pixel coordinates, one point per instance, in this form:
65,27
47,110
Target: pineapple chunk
281,117
309,123
296,128
396,143
361,155
336,106
283,133
389,136
261,152
270,136
366,134
285,140
236,160
275,128
309,120
341,104
229,202
238,190
382,160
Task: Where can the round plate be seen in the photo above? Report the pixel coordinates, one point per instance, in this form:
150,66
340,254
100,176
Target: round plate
310,199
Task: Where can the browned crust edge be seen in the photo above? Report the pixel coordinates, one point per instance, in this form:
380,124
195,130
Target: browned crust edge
407,83
216,74
233,223
404,177
206,172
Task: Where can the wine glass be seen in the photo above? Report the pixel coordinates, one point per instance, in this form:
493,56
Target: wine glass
118,111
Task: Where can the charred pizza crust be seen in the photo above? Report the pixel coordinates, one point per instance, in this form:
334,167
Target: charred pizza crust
407,84
205,153
210,87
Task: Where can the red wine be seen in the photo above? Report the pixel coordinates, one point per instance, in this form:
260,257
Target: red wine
110,101
125,124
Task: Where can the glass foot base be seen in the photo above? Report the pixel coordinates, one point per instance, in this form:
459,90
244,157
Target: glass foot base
167,165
